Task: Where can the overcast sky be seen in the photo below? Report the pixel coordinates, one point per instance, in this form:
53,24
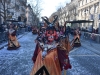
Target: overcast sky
50,6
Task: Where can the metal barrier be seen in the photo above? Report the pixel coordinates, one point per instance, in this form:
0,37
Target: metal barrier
91,36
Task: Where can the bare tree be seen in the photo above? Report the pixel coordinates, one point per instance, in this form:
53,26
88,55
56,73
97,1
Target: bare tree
4,8
36,6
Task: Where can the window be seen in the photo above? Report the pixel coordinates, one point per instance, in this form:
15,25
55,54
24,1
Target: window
82,2
92,17
99,16
79,3
86,1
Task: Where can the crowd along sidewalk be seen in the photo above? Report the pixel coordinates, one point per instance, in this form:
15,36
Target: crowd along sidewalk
2,45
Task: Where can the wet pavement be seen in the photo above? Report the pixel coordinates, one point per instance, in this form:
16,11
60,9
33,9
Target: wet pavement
18,62
84,60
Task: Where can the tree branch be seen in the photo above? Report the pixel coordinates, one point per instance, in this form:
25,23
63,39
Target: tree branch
1,12
1,15
2,2
1,9
10,8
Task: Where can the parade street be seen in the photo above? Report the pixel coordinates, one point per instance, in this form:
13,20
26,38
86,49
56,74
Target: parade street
85,60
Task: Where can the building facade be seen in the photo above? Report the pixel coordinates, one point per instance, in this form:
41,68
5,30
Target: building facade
14,10
89,10
69,12
72,13
29,14
19,9
81,10
32,18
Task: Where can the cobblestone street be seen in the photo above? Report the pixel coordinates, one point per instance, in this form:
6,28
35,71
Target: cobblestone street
18,62
49,37
84,60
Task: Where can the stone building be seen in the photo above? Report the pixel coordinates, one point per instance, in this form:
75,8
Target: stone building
4,12
15,9
62,15
19,10
29,14
81,10
72,13
32,18
89,10
69,12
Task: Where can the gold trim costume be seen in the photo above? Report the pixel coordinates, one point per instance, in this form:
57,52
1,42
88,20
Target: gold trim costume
12,40
76,40
50,57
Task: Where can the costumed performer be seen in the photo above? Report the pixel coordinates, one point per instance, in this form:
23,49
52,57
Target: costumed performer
13,44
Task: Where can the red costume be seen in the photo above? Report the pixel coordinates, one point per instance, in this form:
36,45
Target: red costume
49,58
12,40
51,35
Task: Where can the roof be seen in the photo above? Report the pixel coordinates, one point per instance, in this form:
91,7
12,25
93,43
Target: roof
80,21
